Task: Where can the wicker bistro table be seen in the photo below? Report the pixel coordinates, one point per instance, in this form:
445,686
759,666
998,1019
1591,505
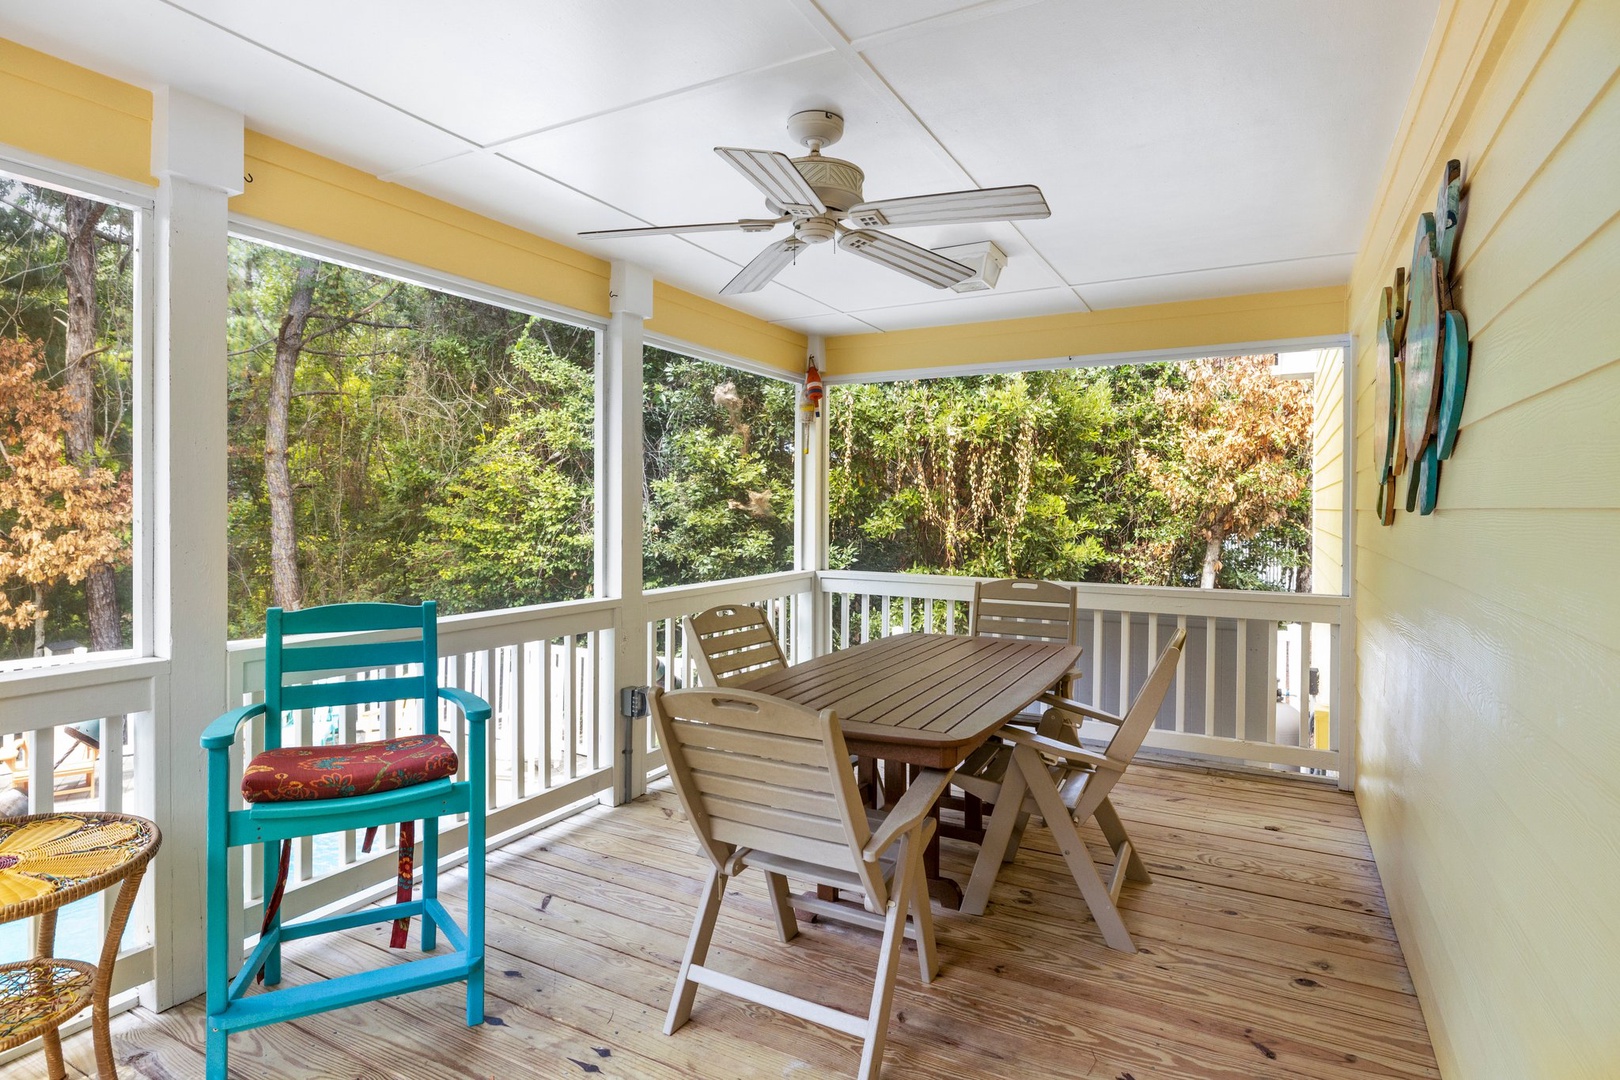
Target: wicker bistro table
923,699
46,862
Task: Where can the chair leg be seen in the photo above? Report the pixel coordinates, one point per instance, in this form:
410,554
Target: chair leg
996,848
697,950
787,927
1017,837
1075,853
271,862
1114,829
218,1061
428,856
922,916
475,913
894,932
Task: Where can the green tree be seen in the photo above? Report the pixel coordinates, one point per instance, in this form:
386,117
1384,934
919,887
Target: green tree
719,465
1243,457
517,524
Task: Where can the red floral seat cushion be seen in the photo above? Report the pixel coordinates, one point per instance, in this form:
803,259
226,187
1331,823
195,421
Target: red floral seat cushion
302,773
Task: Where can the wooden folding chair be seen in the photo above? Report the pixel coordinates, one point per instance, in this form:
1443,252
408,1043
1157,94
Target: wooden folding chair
766,784
1049,773
734,642
1027,610
1023,609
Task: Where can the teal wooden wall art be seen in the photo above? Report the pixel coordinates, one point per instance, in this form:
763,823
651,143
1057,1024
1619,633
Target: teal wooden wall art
1422,365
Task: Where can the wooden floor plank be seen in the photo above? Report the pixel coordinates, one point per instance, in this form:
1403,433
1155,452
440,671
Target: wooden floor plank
1265,951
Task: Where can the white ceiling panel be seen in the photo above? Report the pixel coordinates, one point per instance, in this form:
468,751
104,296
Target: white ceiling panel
485,182
1225,281
494,69
860,18
161,45
1186,150
973,307
1170,136
832,325
657,160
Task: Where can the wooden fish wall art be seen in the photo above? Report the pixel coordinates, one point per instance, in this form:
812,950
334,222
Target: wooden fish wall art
1422,365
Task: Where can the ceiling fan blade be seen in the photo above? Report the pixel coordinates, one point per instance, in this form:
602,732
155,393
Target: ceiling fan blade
765,266
745,225
774,174
913,261
949,207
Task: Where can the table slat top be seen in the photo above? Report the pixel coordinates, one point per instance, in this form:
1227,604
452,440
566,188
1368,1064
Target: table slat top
937,694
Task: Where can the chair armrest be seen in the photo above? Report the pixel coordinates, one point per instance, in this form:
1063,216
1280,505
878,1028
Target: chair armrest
222,732
909,812
1066,704
476,708
1075,755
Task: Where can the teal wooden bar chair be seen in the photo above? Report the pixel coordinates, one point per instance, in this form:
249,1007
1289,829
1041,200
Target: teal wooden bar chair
303,791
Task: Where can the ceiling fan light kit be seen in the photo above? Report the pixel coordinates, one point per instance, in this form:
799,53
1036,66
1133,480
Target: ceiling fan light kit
817,194
985,259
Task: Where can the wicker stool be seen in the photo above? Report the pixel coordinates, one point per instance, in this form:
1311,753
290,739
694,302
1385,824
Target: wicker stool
48,861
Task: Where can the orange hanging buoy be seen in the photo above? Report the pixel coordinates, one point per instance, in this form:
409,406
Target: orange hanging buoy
813,390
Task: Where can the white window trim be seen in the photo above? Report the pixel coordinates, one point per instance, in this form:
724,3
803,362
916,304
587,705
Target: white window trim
1091,360
724,359
302,243
140,200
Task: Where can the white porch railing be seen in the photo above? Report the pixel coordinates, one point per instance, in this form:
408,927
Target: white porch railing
548,744
108,770
1244,690
552,683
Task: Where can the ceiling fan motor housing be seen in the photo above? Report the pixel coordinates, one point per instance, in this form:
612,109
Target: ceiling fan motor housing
837,183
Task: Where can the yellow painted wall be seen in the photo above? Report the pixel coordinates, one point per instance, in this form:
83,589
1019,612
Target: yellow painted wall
61,111
58,110
1489,633
1327,473
1231,320
297,189
681,315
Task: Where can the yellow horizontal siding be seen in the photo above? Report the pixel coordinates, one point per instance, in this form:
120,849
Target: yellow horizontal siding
1303,313
297,189
59,110
1489,633
680,314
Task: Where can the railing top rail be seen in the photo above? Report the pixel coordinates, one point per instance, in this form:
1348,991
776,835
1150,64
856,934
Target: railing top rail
79,673
549,620
676,600
1163,600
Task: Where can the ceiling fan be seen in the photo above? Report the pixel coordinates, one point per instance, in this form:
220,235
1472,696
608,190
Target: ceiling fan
819,194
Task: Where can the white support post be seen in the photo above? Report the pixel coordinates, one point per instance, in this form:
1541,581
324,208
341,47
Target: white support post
197,158
619,478
812,631
1344,660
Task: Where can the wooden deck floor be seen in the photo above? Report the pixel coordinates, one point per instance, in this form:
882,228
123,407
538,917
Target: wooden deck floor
1266,951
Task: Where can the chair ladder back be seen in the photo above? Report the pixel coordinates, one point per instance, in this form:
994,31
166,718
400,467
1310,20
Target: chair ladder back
734,642
1025,609
1128,739
754,771
283,657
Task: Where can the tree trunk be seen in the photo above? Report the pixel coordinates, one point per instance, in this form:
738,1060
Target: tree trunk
1212,560
39,619
83,215
286,588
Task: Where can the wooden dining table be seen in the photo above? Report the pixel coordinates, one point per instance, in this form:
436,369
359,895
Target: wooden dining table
923,699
